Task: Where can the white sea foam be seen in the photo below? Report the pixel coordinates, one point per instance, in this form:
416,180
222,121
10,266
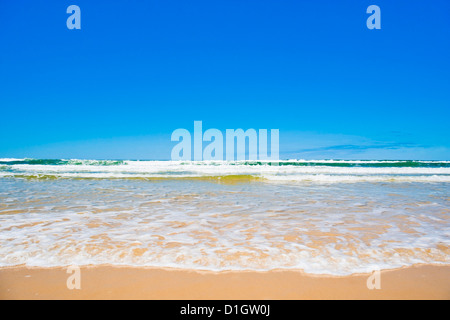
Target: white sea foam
10,159
324,229
286,172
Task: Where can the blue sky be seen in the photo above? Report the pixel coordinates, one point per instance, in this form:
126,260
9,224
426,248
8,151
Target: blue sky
137,70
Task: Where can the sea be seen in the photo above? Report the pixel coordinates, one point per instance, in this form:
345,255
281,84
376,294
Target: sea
331,217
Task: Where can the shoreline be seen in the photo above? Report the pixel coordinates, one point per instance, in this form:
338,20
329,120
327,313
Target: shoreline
124,282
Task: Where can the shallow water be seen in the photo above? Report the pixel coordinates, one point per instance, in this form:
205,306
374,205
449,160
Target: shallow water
344,227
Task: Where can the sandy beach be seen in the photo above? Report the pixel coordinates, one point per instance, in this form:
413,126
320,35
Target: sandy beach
109,282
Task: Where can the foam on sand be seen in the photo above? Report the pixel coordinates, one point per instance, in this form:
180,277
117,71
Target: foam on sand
321,228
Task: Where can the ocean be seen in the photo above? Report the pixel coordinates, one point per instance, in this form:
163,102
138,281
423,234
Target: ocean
334,217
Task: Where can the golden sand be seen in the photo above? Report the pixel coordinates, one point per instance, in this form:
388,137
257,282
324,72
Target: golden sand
108,282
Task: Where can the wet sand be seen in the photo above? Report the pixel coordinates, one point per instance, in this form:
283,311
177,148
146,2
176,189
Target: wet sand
108,282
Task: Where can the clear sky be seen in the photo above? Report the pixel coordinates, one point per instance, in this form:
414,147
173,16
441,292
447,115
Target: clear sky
137,70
